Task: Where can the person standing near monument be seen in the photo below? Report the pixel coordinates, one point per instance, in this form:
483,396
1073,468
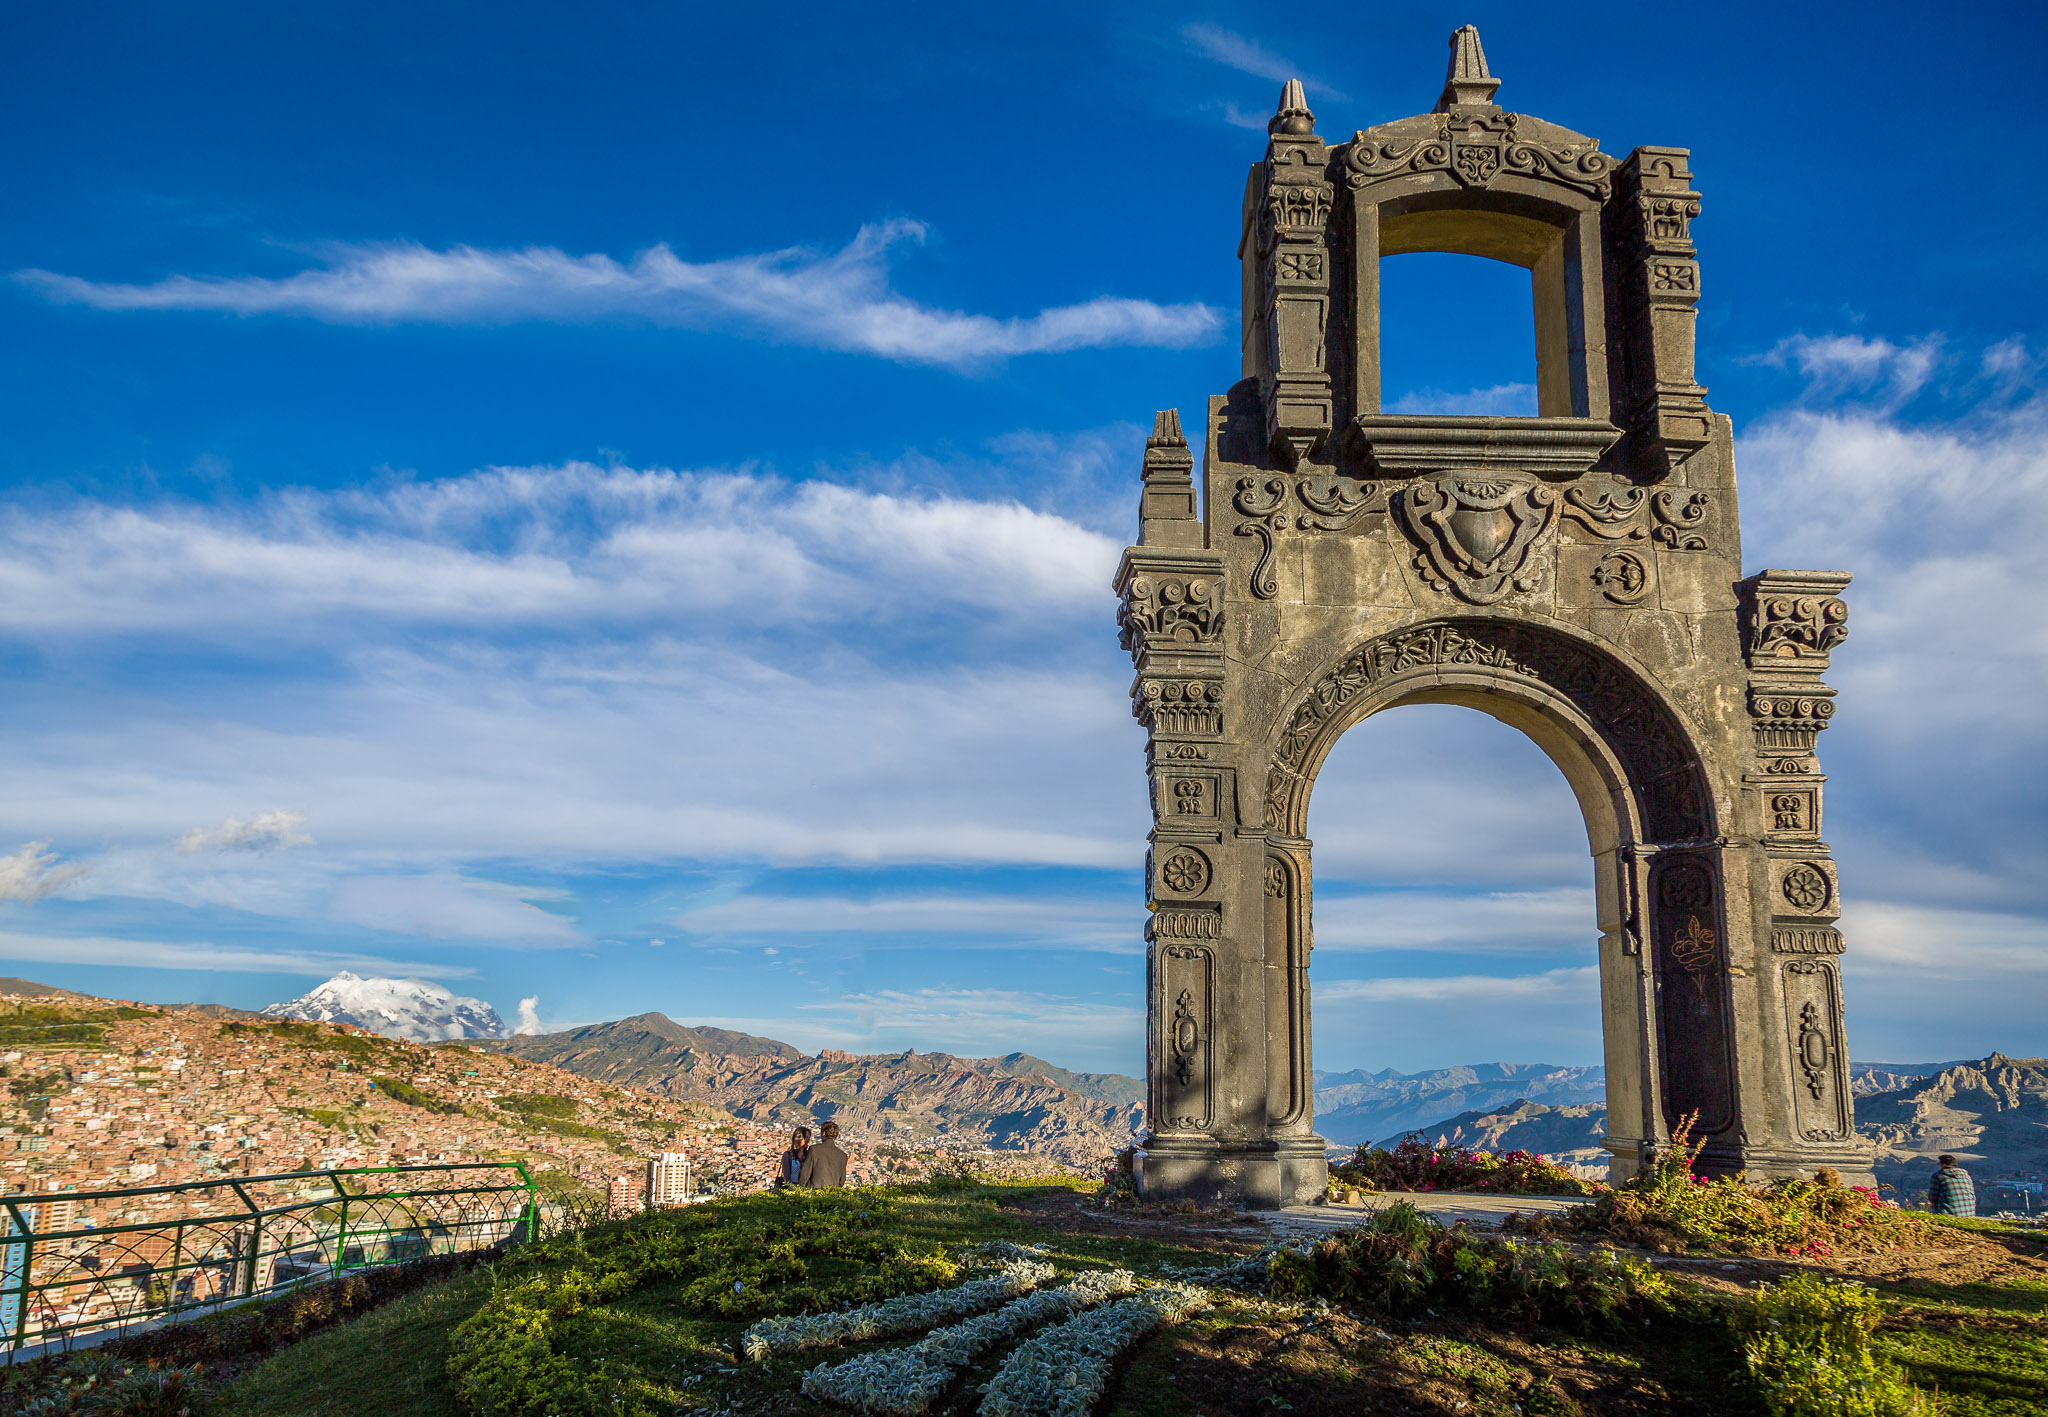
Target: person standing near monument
1951,1192
825,1164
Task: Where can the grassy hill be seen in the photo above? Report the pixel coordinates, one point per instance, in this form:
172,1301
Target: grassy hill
643,1317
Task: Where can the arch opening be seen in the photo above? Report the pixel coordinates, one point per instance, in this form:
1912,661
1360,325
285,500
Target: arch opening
1456,930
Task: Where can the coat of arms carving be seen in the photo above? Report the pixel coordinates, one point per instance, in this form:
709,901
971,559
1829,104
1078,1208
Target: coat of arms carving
1477,534
1475,163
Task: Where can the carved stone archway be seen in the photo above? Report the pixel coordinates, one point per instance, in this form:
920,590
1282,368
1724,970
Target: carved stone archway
1576,574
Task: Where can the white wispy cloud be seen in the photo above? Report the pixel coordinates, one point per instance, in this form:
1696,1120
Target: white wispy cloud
1072,922
1574,985
32,872
1497,400
165,954
841,300
546,544
982,1022
266,831
1834,364
1248,56
447,907
1484,923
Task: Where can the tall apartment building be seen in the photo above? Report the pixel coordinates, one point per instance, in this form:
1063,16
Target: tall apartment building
622,1197
668,1179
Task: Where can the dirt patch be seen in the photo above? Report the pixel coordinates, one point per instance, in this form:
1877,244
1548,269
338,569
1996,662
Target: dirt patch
1249,1362
1228,1232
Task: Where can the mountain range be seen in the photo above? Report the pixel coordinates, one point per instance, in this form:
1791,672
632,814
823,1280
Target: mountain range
411,1009
1014,1102
1993,1112
1357,1107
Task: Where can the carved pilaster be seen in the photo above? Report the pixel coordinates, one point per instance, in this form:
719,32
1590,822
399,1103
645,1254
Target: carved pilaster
1657,272
1292,251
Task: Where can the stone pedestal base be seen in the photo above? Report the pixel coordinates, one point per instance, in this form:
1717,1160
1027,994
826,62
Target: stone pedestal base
1262,1175
1772,1164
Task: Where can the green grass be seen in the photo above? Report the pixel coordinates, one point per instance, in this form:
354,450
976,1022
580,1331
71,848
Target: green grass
399,1090
392,1361
1982,1347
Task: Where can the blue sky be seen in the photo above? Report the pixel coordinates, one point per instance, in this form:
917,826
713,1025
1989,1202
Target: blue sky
612,506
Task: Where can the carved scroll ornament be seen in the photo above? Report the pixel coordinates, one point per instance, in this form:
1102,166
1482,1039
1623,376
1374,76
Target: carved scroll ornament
1474,151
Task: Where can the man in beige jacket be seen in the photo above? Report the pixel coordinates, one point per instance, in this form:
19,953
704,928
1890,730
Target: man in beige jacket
825,1163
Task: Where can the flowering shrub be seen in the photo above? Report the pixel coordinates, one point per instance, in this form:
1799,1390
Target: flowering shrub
912,1312
1669,1207
95,1385
905,1382
1119,1180
1415,1165
1403,1262
1806,1341
1064,1371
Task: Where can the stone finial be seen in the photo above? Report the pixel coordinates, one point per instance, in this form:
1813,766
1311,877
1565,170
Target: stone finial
1166,430
1467,82
1294,120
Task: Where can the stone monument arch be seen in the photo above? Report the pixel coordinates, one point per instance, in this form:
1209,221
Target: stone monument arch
1576,574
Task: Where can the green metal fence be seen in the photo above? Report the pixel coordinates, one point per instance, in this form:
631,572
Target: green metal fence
74,1263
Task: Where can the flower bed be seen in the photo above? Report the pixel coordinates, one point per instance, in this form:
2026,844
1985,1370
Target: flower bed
772,1337
1405,1263
1669,1208
904,1382
1415,1165
1064,1371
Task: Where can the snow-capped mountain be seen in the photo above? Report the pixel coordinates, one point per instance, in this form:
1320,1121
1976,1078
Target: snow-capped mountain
411,1009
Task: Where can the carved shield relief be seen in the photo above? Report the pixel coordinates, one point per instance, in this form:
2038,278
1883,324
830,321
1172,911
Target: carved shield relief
1477,535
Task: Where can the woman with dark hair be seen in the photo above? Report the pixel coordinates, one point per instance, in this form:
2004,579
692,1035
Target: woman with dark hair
792,1165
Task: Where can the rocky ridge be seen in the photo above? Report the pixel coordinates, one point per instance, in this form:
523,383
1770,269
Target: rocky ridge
910,1098
1358,1107
1571,1136
1992,1114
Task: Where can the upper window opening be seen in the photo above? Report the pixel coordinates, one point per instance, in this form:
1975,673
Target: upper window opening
1457,336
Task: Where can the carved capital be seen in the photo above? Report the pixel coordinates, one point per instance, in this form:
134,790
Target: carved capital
1792,620
1169,604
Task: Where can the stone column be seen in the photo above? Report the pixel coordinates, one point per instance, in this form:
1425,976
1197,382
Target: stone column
1791,621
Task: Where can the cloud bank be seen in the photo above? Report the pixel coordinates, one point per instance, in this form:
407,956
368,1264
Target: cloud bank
839,301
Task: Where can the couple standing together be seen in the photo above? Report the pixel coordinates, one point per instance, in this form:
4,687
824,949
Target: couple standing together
822,1166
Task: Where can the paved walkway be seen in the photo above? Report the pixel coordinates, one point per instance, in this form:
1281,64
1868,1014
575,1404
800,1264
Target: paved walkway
1445,1205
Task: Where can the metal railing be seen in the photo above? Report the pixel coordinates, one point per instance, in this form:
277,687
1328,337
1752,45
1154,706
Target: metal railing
74,1263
